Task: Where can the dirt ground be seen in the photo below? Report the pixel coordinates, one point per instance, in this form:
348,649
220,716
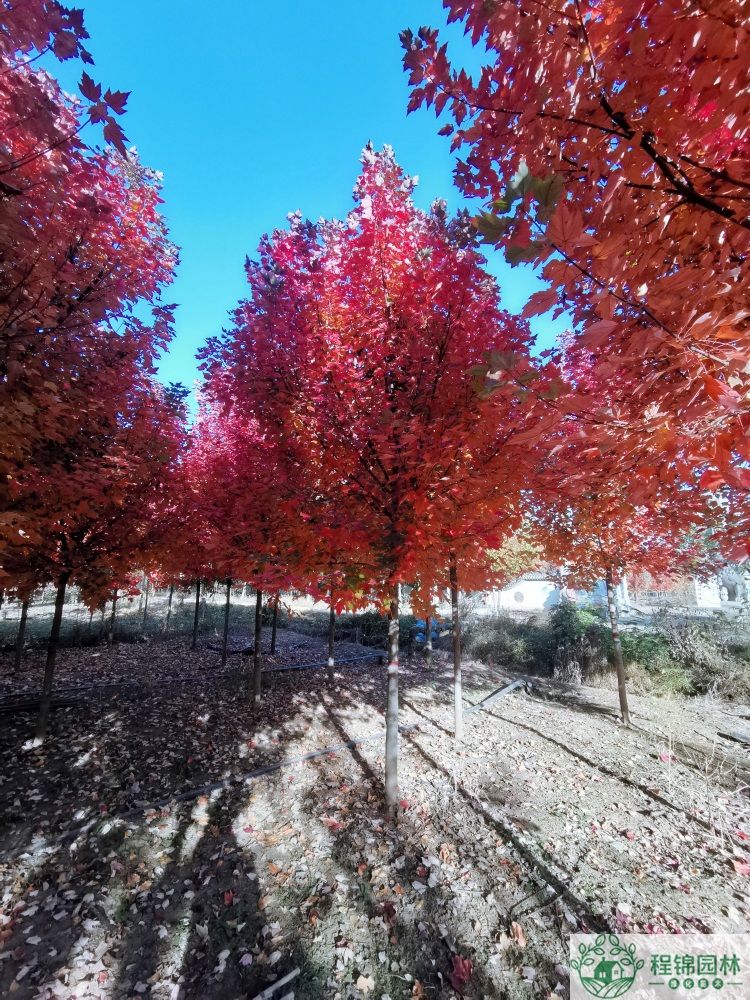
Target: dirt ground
552,818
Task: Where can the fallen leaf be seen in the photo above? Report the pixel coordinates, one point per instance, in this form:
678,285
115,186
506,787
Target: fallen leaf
517,933
365,984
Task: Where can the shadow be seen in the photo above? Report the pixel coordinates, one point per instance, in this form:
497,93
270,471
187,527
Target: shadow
204,926
331,881
380,863
541,870
405,938
51,916
413,708
92,764
375,781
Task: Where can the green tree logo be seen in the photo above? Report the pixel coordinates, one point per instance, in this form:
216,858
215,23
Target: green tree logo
606,968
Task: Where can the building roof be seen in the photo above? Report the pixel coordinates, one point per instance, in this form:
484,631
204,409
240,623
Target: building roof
534,574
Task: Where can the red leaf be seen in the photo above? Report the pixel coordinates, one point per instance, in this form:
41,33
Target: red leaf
65,44
90,90
461,974
540,302
115,135
117,99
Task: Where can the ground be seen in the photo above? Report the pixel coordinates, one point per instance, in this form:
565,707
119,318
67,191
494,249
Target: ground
552,818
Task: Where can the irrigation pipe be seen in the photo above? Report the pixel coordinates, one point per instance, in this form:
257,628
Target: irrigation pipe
496,695
27,699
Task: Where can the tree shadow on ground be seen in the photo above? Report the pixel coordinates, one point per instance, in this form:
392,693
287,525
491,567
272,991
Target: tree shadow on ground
52,916
170,742
423,937
539,869
208,910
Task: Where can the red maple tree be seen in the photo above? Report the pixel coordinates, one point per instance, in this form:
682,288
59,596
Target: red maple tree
354,355
81,239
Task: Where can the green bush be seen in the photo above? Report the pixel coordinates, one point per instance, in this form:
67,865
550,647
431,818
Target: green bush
569,623
496,643
648,649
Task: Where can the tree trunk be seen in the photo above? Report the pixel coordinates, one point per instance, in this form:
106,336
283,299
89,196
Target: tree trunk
619,664
257,653
45,701
227,609
165,627
391,712
196,615
20,638
428,640
145,606
111,633
458,707
331,639
273,626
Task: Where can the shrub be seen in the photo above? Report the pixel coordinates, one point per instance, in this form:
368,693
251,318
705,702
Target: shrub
496,640
647,649
524,646
570,623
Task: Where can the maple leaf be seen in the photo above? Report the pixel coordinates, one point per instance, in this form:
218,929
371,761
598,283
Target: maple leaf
117,100
114,134
65,44
331,823
90,90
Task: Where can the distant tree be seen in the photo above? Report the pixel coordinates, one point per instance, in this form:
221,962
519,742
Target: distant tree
598,524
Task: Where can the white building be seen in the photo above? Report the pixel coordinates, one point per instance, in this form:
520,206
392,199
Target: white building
535,591
543,591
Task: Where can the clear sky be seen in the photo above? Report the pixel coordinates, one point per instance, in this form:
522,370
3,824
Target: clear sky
252,110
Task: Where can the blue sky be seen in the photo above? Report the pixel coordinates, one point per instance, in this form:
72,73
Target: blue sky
254,110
